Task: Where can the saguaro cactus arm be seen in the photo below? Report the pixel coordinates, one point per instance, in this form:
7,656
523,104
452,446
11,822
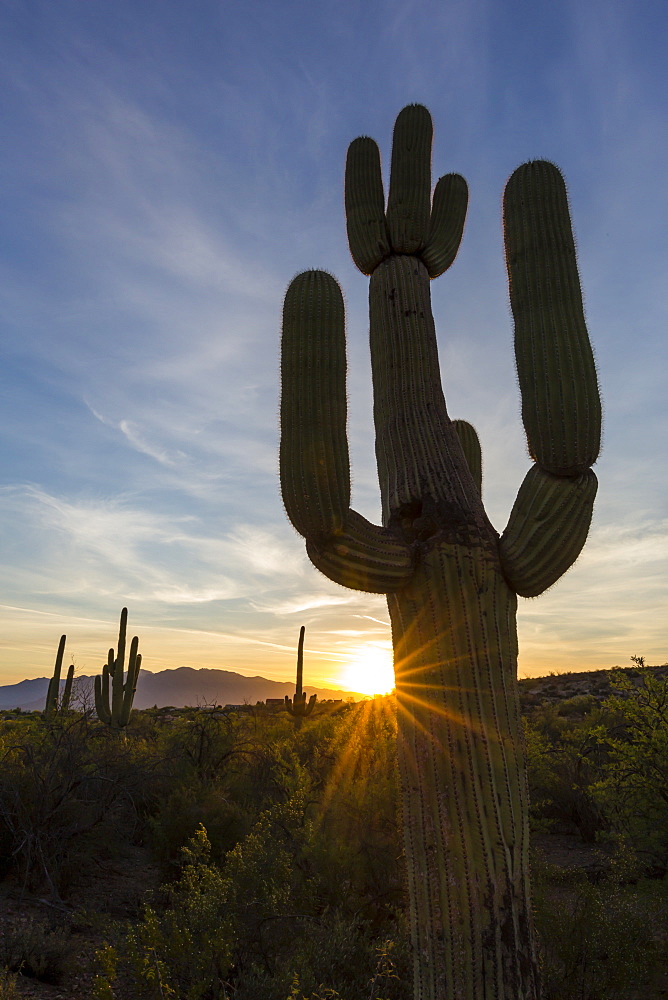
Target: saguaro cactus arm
67,693
314,464
561,406
547,529
54,702
468,438
53,691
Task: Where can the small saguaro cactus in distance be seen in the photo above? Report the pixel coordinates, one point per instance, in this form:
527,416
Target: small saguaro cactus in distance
298,707
451,582
54,702
115,713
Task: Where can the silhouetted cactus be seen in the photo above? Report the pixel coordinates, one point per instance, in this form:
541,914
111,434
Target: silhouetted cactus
116,712
451,583
298,707
54,702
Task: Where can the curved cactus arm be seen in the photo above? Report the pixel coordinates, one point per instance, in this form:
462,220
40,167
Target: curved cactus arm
468,438
364,557
446,225
368,237
409,200
314,465
547,529
122,631
561,408
53,692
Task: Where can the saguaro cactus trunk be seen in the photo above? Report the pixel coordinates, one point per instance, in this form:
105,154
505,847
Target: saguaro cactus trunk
298,707
451,582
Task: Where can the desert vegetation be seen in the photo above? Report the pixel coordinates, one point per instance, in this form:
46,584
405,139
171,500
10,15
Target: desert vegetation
207,853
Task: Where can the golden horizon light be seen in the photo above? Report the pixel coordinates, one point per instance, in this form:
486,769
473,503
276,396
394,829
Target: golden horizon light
370,669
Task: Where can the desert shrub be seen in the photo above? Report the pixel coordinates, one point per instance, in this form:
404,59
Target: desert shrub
70,791
596,937
313,890
37,948
565,759
188,806
9,989
633,789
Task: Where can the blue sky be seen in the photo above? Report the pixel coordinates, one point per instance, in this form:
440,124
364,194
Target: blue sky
167,169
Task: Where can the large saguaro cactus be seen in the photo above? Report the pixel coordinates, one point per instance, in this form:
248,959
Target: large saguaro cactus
451,582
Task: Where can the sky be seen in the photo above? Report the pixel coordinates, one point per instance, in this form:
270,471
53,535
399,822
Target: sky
167,169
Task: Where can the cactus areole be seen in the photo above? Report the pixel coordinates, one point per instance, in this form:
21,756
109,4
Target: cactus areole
451,581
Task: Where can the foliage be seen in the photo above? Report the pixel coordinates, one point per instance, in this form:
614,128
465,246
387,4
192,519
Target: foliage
8,985
297,886
633,787
596,936
36,948
564,758
308,892
67,792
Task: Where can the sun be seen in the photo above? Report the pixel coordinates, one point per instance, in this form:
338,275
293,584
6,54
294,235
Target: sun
370,669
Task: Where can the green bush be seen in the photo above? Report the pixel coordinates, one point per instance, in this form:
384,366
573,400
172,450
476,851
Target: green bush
69,793
596,937
633,788
37,948
313,890
8,985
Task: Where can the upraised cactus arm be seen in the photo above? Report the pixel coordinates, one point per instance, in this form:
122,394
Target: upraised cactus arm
451,583
314,464
561,406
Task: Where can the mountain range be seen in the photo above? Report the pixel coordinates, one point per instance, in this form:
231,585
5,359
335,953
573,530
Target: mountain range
178,688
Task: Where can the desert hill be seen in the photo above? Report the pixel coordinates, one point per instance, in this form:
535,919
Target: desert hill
178,688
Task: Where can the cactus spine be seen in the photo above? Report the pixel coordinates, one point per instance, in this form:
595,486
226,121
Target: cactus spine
451,583
54,702
298,707
115,713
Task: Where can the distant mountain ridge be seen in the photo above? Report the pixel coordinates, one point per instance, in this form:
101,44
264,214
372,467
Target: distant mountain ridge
179,687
